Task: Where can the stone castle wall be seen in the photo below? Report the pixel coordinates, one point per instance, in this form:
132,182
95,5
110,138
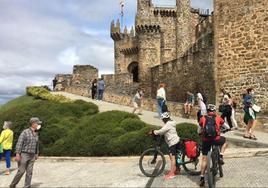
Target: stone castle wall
79,82
242,47
193,72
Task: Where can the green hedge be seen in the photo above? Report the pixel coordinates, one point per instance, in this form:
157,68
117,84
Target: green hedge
77,129
58,118
39,92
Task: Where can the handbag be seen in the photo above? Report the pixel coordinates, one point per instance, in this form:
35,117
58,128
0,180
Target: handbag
1,148
256,108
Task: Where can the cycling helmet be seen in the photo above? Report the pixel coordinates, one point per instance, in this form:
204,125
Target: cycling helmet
165,115
211,108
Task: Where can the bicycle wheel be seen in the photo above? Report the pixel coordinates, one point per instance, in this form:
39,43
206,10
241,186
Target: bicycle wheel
191,166
210,171
152,162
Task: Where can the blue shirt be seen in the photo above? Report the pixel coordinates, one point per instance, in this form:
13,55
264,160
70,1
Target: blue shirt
101,85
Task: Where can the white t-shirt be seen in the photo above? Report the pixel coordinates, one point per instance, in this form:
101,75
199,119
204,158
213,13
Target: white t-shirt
201,104
161,93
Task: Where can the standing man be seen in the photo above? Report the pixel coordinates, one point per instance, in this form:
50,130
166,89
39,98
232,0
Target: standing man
54,82
101,87
27,152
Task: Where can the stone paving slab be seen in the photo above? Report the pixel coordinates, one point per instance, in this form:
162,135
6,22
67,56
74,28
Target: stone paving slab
235,137
113,172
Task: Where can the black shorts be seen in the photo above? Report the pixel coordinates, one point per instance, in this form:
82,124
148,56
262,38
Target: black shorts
206,145
173,149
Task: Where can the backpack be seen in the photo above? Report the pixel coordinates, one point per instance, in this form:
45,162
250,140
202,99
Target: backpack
192,149
210,129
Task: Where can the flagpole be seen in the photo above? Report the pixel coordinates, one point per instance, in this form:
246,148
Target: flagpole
122,13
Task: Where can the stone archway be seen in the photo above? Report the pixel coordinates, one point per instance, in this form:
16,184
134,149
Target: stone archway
133,68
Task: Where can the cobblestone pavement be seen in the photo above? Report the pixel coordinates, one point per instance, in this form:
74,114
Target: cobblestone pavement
124,172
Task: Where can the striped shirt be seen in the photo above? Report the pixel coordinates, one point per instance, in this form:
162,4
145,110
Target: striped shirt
28,142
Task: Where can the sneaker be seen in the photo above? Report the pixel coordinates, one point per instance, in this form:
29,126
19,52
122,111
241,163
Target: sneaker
169,176
202,182
7,172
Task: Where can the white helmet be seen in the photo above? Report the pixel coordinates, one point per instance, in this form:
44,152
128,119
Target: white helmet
165,115
211,107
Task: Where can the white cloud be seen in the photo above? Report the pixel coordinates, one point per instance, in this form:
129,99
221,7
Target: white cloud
39,39
69,56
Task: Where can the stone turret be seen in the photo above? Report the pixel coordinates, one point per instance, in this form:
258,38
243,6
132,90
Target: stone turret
183,26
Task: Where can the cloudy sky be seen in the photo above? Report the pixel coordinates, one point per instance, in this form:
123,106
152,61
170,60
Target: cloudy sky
40,38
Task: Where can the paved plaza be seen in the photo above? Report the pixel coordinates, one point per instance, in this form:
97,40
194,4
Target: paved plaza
124,172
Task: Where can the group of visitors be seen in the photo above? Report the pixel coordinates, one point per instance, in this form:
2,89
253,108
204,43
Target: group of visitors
26,150
209,138
97,88
210,125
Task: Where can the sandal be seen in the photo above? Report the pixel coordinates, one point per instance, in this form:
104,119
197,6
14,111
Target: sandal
253,137
248,137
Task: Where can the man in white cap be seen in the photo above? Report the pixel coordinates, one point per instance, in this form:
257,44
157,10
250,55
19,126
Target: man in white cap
27,152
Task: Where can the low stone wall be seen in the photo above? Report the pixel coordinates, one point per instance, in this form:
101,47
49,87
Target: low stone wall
83,91
176,109
148,104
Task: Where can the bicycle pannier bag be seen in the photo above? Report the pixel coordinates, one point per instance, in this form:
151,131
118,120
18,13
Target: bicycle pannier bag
210,130
191,149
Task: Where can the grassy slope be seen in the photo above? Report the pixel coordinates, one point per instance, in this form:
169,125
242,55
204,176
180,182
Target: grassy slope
15,103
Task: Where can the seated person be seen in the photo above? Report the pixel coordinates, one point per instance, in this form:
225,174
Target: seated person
189,103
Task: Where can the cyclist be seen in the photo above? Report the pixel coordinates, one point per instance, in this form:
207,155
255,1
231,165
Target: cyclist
209,129
172,139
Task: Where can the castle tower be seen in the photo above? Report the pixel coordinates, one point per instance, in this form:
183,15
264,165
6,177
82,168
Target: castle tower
117,37
183,26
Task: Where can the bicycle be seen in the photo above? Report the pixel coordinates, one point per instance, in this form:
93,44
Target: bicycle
152,161
214,165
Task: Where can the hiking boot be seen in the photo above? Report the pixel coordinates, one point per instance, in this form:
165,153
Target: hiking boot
202,182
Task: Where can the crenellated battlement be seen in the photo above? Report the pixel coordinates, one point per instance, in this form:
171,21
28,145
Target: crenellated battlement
165,12
148,29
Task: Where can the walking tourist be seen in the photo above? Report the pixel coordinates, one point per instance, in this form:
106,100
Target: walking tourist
6,141
233,105
137,101
250,112
189,103
173,141
101,88
27,152
94,87
202,106
161,98
226,110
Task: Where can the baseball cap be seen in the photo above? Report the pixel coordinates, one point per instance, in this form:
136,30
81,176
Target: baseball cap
35,120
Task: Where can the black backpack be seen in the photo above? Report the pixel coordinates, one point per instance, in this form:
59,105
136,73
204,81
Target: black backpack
210,130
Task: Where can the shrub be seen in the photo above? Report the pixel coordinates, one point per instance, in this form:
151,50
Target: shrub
43,93
59,119
188,131
132,124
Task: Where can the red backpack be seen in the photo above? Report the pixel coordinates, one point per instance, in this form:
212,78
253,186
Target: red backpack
191,149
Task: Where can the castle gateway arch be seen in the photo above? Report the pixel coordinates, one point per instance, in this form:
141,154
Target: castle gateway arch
133,68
